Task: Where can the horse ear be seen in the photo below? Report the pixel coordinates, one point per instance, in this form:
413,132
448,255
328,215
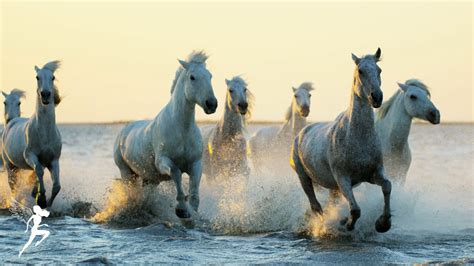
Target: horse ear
378,53
37,69
402,86
183,63
4,94
227,82
355,59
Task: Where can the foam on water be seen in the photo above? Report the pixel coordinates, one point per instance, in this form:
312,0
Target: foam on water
436,199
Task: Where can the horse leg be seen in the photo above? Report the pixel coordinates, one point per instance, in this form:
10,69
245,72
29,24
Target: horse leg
345,186
306,183
126,172
333,199
383,223
34,163
194,182
54,170
166,167
35,191
12,172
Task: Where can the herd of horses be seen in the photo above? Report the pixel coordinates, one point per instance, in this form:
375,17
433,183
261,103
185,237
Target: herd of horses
358,146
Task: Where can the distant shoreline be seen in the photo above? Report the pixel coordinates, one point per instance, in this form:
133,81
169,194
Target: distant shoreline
258,122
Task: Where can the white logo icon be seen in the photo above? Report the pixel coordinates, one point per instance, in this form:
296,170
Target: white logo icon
25,214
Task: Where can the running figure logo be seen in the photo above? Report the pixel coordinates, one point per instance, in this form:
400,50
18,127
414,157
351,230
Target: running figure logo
25,214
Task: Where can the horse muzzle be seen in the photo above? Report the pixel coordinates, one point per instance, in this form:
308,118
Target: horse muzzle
210,106
304,112
434,117
243,108
376,99
45,95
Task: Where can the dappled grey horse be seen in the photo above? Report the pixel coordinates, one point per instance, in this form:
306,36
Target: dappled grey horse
225,145
171,144
35,143
393,124
274,142
12,110
346,152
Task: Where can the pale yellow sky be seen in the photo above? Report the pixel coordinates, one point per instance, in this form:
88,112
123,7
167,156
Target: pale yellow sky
119,58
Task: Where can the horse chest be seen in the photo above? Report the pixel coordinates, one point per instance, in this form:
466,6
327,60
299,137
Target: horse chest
185,151
47,155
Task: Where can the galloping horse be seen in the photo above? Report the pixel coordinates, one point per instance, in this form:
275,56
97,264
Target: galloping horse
35,143
393,123
12,110
275,142
225,145
347,151
171,144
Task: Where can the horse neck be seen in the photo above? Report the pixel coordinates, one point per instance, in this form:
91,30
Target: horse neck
397,123
296,121
360,114
45,116
231,123
181,109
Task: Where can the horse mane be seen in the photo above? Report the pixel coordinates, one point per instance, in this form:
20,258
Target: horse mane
383,110
306,86
176,77
18,92
419,84
53,65
196,57
386,106
288,113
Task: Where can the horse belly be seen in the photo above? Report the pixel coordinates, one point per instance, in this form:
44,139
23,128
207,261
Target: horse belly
14,147
314,151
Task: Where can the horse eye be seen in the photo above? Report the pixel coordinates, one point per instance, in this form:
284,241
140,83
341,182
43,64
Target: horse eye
5,103
231,91
309,96
54,77
19,104
192,77
413,97
296,96
37,78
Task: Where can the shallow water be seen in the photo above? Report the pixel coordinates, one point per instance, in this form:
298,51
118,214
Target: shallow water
262,220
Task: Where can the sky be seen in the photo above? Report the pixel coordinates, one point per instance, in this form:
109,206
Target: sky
119,58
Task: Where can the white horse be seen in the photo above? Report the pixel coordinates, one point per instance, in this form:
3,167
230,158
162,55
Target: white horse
35,143
225,145
12,110
171,144
393,123
275,142
347,151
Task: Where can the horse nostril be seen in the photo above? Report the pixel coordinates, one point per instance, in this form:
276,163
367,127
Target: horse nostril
211,104
45,94
243,106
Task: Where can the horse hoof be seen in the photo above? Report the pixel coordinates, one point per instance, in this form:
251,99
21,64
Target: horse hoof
350,226
383,224
183,214
41,201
